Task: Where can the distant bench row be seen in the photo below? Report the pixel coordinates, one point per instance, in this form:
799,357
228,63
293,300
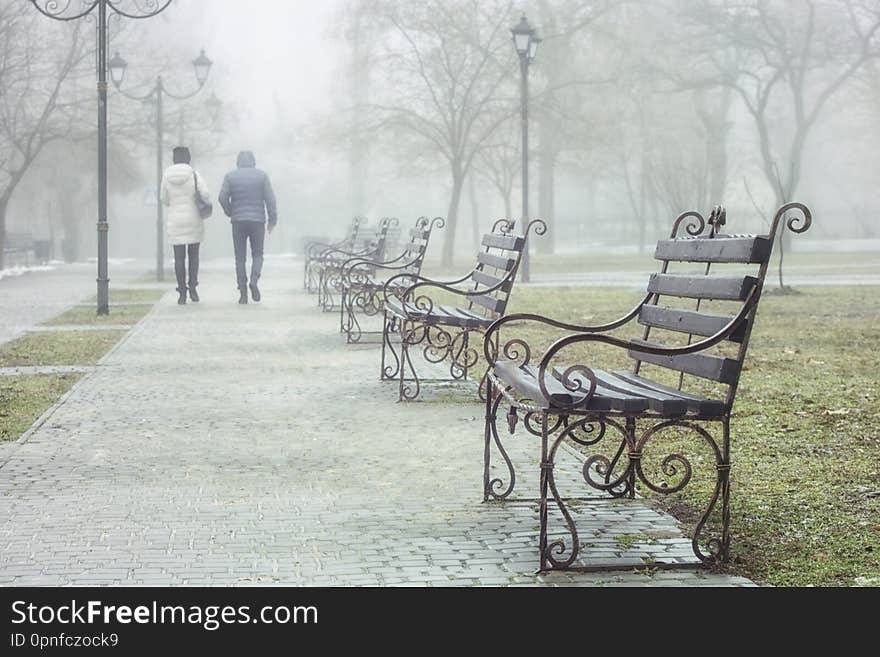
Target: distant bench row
695,325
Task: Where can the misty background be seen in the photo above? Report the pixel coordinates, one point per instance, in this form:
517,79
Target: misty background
639,110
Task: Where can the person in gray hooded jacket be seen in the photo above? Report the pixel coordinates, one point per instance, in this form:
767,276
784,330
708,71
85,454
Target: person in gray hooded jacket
247,199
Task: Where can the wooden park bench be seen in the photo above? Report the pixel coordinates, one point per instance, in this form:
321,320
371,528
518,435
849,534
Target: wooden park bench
363,280
314,251
620,420
331,263
443,332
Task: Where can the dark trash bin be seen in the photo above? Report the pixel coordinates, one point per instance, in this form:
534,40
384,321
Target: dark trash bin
42,250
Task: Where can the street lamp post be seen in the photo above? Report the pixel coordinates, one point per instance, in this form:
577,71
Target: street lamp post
202,67
525,41
71,10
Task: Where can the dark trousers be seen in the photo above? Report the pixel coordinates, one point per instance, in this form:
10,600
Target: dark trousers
181,252
242,231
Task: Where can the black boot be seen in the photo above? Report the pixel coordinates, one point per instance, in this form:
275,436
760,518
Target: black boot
255,292
243,298
193,295
181,300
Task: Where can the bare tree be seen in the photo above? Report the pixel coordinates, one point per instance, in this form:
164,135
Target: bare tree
444,70
36,109
566,26
784,61
500,163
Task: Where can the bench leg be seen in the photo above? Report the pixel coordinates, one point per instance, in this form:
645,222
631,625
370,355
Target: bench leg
409,334
458,368
491,486
343,314
331,278
362,301
629,441
708,548
724,475
546,465
552,554
389,372
320,286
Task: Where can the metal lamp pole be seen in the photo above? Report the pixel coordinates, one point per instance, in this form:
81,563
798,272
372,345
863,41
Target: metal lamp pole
202,67
525,41
71,10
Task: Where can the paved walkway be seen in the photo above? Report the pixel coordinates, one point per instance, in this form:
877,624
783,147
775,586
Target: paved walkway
36,296
224,444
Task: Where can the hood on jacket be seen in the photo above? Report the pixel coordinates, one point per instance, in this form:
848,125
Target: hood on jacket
179,174
246,160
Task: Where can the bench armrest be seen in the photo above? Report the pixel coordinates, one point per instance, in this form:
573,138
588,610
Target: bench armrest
413,280
356,270
341,254
577,387
314,249
426,304
488,343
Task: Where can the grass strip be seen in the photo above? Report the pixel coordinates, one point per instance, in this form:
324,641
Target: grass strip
58,348
86,316
23,399
133,295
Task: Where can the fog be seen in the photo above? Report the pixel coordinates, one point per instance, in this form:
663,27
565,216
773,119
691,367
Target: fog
638,111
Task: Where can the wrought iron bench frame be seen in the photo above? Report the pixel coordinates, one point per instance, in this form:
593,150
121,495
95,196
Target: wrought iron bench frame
555,402
331,264
443,332
314,251
362,291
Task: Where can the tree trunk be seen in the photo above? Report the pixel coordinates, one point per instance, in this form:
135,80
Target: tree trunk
547,187
4,203
475,211
452,218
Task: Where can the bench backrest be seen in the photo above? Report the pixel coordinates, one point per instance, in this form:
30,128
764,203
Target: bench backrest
359,236
354,229
498,264
723,281
378,243
413,256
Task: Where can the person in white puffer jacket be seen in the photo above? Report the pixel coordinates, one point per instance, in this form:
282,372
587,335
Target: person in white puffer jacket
183,224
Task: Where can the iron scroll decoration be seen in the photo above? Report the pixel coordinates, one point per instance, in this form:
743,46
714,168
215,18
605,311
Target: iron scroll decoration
71,10
794,224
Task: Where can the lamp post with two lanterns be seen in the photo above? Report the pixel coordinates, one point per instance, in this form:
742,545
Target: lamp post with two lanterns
525,41
70,10
202,68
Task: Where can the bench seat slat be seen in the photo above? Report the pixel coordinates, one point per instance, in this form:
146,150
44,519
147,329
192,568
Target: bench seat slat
489,302
666,405
524,380
617,400
702,287
621,392
697,405
441,315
